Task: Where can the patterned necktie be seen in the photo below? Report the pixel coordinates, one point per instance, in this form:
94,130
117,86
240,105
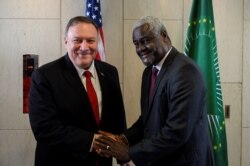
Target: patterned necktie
152,83
92,96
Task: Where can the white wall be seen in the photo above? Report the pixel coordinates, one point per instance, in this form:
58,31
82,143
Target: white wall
37,26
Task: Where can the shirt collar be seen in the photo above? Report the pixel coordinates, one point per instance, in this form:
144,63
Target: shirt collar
159,65
80,71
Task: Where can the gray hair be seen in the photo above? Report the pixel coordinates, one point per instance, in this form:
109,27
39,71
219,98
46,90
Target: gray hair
156,26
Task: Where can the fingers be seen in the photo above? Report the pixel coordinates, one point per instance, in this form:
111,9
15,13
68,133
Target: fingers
103,139
108,144
101,153
104,132
107,134
102,145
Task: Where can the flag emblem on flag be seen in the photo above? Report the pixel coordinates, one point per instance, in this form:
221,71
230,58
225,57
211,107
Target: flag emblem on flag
201,47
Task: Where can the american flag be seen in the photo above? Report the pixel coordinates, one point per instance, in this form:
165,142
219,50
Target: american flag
93,11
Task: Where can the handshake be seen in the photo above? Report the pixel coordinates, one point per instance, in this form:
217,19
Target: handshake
110,145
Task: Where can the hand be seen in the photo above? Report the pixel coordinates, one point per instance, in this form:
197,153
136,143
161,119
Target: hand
120,138
96,148
112,145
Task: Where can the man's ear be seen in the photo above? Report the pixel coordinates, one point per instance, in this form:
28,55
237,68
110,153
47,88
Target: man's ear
165,36
65,40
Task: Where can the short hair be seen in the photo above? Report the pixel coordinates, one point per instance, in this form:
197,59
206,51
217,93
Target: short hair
155,25
79,19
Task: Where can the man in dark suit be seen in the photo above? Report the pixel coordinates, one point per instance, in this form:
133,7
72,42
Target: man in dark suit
60,111
172,129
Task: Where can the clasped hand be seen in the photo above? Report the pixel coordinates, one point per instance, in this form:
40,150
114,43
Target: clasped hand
107,144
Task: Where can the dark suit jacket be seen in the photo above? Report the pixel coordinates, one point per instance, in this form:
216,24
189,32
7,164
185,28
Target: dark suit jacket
172,130
61,116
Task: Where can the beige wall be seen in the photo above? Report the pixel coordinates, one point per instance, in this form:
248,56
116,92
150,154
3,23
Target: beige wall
246,85
36,26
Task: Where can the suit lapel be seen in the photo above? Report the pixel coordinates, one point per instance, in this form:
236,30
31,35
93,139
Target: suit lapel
72,77
163,73
75,83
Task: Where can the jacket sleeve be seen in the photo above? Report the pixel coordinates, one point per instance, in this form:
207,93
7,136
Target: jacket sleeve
184,94
46,124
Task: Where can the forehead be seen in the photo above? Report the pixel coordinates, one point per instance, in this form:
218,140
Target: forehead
82,29
143,31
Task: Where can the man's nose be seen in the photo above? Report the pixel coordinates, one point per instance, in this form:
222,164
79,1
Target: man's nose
141,47
84,45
